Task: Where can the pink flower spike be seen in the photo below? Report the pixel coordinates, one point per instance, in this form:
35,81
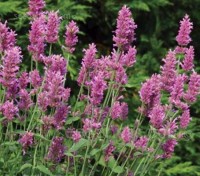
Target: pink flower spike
98,86
26,141
168,147
53,23
11,61
169,128
35,7
71,36
168,71
130,57
23,80
37,37
25,101
35,78
125,32
126,135
108,152
193,88
177,89
141,142
56,150
119,110
157,115
150,91
76,136
185,119
9,110
183,37
188,64
7,37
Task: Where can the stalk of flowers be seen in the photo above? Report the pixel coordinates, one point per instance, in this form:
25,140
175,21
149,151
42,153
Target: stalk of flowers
112,69
170,119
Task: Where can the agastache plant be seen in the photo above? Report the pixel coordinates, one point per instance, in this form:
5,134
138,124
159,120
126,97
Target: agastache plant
50,134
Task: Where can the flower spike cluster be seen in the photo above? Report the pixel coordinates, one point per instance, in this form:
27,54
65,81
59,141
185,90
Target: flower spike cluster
71,36
170,118
125,32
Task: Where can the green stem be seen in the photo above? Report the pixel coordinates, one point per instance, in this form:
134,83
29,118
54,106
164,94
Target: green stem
85,158
75,166
29,125
34,161
50,49
117,159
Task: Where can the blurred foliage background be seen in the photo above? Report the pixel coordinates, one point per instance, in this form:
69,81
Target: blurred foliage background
158,22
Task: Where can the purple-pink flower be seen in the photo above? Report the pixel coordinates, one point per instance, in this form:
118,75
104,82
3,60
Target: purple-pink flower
183,37
141,143
108,152
193,88
35,7
23,80
126,135
88,62
60,116
185,118
125,32
25,101
168,147
188,64
169,128
11,61
56,63
71,36
56,150
35,78
54,92
119,110
37,37
150,91
157,115
9,110
98,86
26,141
47,123
89,56
177,89
53,23
168,71
7,37
90,124
76,136
129,59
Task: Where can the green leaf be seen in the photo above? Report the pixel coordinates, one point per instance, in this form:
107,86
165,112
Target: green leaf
70,120
44,170
25,166
41,137
118,170
78,145
140,5
111,163
182,168
94,151
1,160
9,143
9,6
102,161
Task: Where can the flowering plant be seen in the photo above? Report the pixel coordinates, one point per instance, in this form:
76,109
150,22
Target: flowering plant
47,134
